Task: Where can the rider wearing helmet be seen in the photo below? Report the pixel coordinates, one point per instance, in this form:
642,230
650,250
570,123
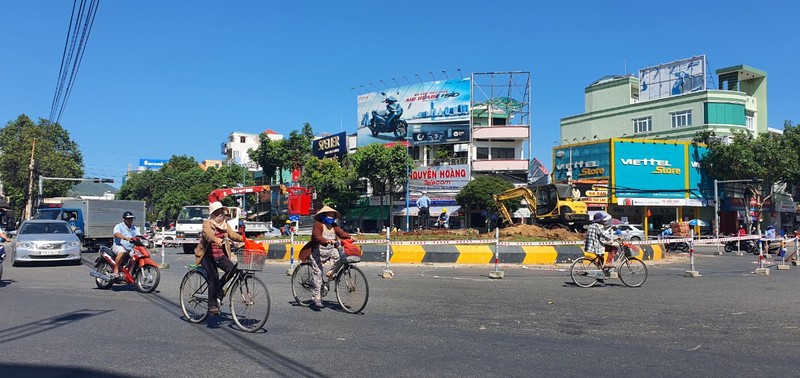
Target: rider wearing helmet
123,234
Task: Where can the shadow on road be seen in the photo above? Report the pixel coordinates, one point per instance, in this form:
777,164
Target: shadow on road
47,324
9,370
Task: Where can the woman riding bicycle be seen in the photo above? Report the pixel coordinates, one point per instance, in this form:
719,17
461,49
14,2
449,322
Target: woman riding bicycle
596,239
322,247
214,251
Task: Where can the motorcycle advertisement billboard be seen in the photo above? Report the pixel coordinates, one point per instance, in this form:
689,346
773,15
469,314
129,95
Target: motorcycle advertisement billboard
433,112
439,178
655,173
672,79
588,161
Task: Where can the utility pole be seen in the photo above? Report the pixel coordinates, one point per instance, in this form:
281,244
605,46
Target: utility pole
29,205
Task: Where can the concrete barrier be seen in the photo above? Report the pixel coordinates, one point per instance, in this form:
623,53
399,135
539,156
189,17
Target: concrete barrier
472,253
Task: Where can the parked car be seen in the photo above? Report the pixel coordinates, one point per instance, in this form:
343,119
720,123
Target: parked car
164,237
45,240
631,232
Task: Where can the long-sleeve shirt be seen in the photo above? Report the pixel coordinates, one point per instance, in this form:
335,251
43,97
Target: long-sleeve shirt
594,239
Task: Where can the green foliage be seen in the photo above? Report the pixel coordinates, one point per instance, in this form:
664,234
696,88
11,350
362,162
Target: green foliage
55,155
276,155
332,180
478,193
382,166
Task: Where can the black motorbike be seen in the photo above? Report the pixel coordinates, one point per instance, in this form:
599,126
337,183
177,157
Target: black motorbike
393,112
679,246
749,246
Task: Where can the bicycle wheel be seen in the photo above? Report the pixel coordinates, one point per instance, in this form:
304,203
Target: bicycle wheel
250,303
194,296
352,289
303,284
632,272
581,272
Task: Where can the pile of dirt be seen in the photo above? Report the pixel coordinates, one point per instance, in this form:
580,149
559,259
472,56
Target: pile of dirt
539,232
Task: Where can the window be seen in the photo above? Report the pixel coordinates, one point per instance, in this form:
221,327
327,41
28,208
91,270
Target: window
681,118
483,153
642,125
749,120
242,139
502,153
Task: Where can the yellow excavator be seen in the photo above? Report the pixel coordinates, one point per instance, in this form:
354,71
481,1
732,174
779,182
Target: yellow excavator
551,206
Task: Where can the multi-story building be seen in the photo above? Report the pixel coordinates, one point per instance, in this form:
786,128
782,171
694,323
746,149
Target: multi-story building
239,143
668,102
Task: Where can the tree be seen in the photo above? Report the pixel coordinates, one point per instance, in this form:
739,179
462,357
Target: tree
270,156
329,177
478,193
768,157
55,155
297,148
385,168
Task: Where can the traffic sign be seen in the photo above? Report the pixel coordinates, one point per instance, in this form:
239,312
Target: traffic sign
294,217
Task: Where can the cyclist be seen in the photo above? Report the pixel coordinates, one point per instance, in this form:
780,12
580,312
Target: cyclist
124,232
213,251
322,247
596,239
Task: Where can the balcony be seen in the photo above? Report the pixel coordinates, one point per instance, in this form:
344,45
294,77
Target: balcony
499,165
501,133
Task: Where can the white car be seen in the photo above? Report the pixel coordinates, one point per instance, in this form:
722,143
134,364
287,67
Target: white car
166,238
632,232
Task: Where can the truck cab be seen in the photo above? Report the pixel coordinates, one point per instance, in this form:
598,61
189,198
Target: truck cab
189,225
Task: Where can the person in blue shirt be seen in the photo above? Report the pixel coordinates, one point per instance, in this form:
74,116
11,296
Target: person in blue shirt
443,220
123,234
424,204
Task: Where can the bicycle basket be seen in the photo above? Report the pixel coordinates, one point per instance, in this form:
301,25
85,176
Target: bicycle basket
631,251
250,260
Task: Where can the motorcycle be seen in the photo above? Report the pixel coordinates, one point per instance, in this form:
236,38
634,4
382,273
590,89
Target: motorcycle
742,245
680,246
137,268
393,111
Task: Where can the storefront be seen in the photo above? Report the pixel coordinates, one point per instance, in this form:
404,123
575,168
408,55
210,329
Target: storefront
647,182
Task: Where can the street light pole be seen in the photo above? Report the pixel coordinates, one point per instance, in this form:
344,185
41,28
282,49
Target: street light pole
408,184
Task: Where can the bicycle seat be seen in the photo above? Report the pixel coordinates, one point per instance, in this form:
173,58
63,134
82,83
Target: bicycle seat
353,259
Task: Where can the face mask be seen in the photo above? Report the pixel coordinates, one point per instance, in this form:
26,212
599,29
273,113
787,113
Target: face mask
328,220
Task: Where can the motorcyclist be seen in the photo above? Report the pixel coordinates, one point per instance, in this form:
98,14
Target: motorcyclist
394,110
124,232
666,234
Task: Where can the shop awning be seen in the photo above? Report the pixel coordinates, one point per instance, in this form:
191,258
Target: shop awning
374,212
435,210
354,213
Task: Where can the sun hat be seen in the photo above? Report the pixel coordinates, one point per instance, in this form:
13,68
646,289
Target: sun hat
213,207
598,217
323,210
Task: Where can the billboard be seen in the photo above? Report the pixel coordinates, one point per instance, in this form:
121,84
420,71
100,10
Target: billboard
672,79
656,173
154,164
588,160
330,146
436,112
439,178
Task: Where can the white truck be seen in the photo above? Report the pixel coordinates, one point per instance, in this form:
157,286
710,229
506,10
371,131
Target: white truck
189,225
94,219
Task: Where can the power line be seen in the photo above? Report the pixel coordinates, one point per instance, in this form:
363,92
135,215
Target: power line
73,54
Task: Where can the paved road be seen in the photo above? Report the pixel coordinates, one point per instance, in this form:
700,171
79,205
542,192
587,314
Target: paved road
429,320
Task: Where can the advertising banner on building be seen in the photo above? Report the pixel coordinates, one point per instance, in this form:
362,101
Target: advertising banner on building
154,164
330,146
655,173
672,79
435,112
588,161
450,178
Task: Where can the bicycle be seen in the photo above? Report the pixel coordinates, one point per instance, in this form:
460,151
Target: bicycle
247,295
349,279
585,271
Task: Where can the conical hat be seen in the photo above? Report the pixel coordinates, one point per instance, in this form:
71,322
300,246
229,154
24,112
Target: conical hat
326,209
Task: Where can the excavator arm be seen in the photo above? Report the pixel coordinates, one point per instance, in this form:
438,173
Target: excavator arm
521,192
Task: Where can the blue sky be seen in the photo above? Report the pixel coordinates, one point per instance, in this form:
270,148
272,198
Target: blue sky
163,78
